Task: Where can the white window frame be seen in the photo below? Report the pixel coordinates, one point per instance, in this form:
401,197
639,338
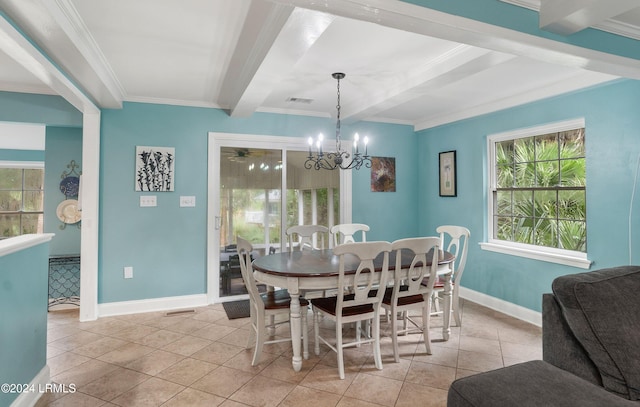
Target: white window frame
554,255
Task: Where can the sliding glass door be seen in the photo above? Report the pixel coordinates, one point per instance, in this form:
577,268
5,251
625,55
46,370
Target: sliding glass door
250,207
258,187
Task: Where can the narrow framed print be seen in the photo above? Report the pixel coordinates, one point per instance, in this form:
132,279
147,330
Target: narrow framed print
448,173
383,174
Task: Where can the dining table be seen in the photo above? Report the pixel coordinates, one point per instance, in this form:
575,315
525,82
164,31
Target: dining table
317,270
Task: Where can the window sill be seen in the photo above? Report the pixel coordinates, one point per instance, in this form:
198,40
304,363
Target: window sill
564,257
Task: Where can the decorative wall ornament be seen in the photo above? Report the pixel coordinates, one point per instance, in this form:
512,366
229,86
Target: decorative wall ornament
383,174
155,168
68,211
70,183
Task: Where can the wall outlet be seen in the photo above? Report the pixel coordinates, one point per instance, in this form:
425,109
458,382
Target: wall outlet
187,201
128,272
148,200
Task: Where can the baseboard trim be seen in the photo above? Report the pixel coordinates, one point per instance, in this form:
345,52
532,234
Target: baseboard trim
502,306
39,382
154,304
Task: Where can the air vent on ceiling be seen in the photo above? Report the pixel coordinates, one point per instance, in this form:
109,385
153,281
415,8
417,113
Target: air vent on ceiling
300,100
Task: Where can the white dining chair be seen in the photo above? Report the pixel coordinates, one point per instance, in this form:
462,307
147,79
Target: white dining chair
408,292
274,304
458,237
357,299
346,232
307,237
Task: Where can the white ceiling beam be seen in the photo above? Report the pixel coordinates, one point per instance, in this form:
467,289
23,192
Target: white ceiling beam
58,30
566,17
21,50
449,68
261,27
422,20
259,67
100,81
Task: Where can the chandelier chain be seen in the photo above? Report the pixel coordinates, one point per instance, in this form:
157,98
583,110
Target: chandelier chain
338,141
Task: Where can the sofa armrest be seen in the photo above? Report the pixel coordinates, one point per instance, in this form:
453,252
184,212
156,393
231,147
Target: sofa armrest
560,347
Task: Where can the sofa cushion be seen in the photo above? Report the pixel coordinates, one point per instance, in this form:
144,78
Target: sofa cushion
530,384
602,308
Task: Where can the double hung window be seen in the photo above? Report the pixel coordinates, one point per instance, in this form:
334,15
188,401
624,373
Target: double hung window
537,193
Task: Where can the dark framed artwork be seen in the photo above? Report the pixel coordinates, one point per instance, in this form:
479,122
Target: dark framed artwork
155,168
383,174
448,174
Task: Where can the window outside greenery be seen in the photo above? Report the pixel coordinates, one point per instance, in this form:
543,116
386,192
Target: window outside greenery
322,208
249,209
21,201
540,191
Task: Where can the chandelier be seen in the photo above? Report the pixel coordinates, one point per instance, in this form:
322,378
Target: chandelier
338,159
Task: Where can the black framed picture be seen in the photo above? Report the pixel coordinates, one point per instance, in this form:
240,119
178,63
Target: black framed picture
448,173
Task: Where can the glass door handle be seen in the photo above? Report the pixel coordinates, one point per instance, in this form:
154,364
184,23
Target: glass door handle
218,224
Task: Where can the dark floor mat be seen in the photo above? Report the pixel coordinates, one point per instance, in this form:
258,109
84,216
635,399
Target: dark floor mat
236,309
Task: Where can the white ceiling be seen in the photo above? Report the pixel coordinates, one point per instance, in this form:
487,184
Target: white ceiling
403,63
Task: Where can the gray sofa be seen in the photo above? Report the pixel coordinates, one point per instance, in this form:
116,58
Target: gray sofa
591,349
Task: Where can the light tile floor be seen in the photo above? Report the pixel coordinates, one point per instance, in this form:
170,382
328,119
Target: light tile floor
199,359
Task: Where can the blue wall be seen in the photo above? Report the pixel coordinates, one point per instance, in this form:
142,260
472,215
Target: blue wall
63,144
21,155
166,245
612,147
23,316
44,109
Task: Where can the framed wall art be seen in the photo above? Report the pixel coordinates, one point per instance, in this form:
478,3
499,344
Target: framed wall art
155,168
448,173
383,174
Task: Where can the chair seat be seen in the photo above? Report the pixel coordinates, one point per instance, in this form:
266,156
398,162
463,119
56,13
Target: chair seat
439,284
279,299
411,299
328,305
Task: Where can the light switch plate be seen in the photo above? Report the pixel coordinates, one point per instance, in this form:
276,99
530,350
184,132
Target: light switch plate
148,200
128,272
187,201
